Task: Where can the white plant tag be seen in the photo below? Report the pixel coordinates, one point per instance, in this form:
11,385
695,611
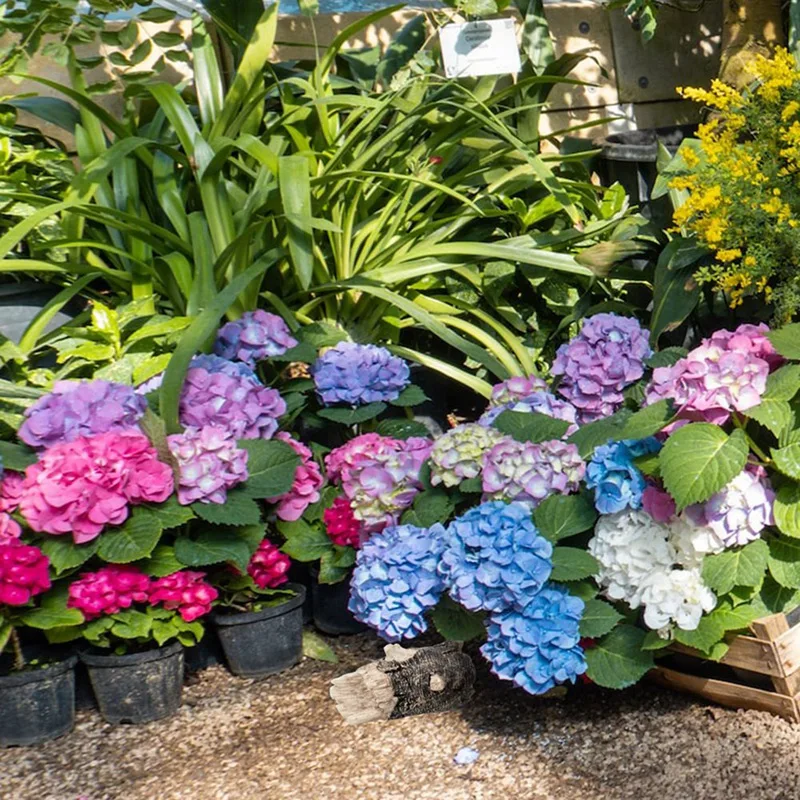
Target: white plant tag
472,49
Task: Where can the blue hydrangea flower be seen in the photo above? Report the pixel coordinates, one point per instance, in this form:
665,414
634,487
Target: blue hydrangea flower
256,335
616,481
357,374
395,580
494,556
536,645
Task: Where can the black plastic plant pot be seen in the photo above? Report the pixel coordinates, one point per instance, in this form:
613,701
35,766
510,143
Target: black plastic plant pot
137,687
37,704
261,643
331,614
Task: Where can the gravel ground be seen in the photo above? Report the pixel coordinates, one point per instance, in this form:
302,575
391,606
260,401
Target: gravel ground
281,738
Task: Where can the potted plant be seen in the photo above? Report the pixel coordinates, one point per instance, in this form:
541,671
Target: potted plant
259,615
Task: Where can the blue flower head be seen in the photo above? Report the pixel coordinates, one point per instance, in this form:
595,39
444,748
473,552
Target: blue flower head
256,335
214,364
357,374
536,645
616,481
494,556
395,580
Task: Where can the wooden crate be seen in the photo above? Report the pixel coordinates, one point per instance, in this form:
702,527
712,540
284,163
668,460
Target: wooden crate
761,671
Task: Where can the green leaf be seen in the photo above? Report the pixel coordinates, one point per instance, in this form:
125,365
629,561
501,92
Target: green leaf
131,624
134,540
472,486
213,546
16,457
329,570
784,562
778,599
598,619
743,566
786,341
301,352
238,509
303,541
162,562
530,426
65,555
647,421
585,590
561,516
787,460
314,646
648,464
666,357
652,641
775,415
700,459
169,514
321,334
598,433
295,189
787,510
455,623
573,564
675,290
410,396
352,416
401,428
714,626
618,661
432,506
271,467
784,383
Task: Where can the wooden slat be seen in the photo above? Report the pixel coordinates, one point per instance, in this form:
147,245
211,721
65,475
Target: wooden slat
788,649
728,694
772,628
745,652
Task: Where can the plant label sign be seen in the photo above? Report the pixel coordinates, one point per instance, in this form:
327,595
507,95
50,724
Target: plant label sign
472,49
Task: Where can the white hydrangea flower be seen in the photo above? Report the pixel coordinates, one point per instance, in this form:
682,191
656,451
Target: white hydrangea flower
630,545
692,543
675,597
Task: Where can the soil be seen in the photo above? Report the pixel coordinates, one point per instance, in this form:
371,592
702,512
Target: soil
281,738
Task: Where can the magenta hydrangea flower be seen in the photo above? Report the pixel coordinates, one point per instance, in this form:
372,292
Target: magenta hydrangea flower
738,513
516,388
210,363
308,481
80,487
244,408
24,573
186,592
209,463
10,529
529,473
721,376
268,567
659,504
540,402
342,458
341,524
597,364
108,590
80,408
11,491
750,339
256,335
357,374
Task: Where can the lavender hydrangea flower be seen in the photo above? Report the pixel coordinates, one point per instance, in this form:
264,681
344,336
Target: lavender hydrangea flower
210,363
357,374
738,513
80,408
529,472
395,580
256,335
605,357
494,557
247,410
458,454
209,463
516,388
541,402
616,481
536,645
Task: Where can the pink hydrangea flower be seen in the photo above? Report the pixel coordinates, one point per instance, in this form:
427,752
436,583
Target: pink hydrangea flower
750,339
80,487
186,592
108,590
344,457
24,573
341,524
308,481
11,491
268,566
658,504
9,528
516,388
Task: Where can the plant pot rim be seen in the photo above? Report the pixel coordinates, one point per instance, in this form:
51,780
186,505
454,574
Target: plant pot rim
94,659
35,675
224,619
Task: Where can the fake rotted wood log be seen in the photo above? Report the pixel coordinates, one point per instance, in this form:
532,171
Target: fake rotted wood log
408,681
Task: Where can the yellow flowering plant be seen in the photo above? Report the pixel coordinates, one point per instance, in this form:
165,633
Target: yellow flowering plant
737,187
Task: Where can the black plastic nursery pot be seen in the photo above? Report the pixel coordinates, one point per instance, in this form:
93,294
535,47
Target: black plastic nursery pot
329,601
137,687
37,704
261,643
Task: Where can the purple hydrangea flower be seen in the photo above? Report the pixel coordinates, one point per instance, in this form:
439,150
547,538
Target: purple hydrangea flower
536,645
540,402
209,463
247,410
357,374
516,388
395,580
494,557
529,472
616,481
81,408
458,454
596,365
256,335
210,363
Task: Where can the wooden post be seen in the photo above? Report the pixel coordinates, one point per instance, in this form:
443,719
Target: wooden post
749,27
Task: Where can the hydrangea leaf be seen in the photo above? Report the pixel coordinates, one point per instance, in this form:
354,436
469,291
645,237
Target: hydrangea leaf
666,357
652,641
162,562
700,459
65,555
648,464
430,507
784,562
131,624
213,546
647,421
618,660
560,516
598,618
45,619
302,352
314,646
455,623
598,433
586,590
471,485
352,416
329,570
170,514
573,564
303,541
401,428
744,566
787,460
321,334
238,509
715,625
787,510
410,396
775,415
135,539
777,598
784,383
786,341
16,457
271,467
530,426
